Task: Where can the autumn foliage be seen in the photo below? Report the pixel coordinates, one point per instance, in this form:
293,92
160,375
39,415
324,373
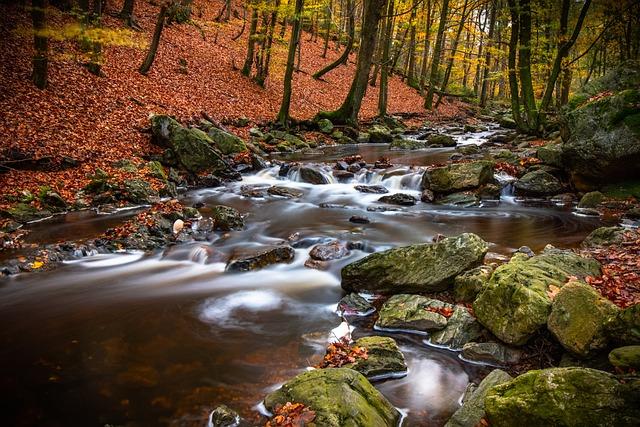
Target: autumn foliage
342,353
291,415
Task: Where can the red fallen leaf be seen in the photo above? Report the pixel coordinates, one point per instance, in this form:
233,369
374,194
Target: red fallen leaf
445,311
291,415
342,353
507,168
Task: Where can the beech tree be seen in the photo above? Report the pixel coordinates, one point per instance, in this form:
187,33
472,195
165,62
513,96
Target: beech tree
40,44
157,32
283,115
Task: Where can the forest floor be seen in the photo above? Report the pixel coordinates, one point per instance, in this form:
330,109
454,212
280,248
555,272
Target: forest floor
98,120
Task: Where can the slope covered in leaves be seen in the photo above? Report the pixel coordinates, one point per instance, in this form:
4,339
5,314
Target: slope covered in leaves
97,120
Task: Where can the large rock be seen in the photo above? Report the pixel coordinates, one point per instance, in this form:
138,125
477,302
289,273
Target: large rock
339,396
538,183
472,412
399,199
262,259
329,251
461,328
193,148
578,318
564,397
626,357
412,313
458,177
384,358
312,176
226,218
415,268
380,134
551,155
441,140
226,142
604,236
515,303
467,285
492,353
602,134
625,328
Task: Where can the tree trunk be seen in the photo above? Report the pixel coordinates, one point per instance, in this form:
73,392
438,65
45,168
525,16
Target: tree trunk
94,66
283,115
524,65
437,51
425,53
151,54
348,111
384,61
328,30
411,68
511,63
345,55
40,44
454,48
487,62
127,13
248,62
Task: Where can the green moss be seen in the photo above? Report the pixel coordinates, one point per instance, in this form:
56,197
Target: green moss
623,190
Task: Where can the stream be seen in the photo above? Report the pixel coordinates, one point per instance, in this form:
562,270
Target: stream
139,340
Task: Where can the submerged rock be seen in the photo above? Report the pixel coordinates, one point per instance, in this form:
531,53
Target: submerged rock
262,259
226,218
472,412
515,303
412,313
384,358
399,199
538,183
359,219
578,318
339,396
415,268
564,397
491,352
458,177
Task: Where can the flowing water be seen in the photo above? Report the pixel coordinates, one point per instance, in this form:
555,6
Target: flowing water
138,340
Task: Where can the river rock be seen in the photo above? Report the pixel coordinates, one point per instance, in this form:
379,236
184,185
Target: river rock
515,303
551,155
626,357
578,318
384,358
399,199
359,219
458,177
467,285
464,199
564,397
226,142
325,126
538,183
193,148
407,144
379,134
287,192
354,305
411,313
312,176
374,189
625,328
328,251
441,140
591,200
492,353
262,259
602,134
223,416
226,218
339,396
471,413
427,196
604,236
461,328
137,191
415,268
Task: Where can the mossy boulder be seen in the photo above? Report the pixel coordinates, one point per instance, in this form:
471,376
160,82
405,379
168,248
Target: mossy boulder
493,353
564,397
24,212
626,357
138,192
604,236
407,144
625,328
463,199
467,285
412,313
226,142
415,268
458,177
340,397
515,303
602,133
551,154
379,134
384,358
471,413
226,218
538,183
325,126
261,259
441,140
591,200
578,318
311,176
461,328
156,170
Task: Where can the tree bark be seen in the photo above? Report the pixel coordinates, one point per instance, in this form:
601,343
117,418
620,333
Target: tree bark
437,51
283,115
384,61
524,65
454,48
251,44
157,32
40,44
487,61
511,63
348,111
345,55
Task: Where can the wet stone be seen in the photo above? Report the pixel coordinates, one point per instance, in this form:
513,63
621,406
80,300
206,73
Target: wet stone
262,259
374,189
329,251
359,219
287,192
399,199
355,305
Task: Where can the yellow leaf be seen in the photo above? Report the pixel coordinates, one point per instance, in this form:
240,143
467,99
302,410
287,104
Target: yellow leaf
36,264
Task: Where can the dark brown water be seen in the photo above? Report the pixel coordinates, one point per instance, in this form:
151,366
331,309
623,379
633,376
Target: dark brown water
161,339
